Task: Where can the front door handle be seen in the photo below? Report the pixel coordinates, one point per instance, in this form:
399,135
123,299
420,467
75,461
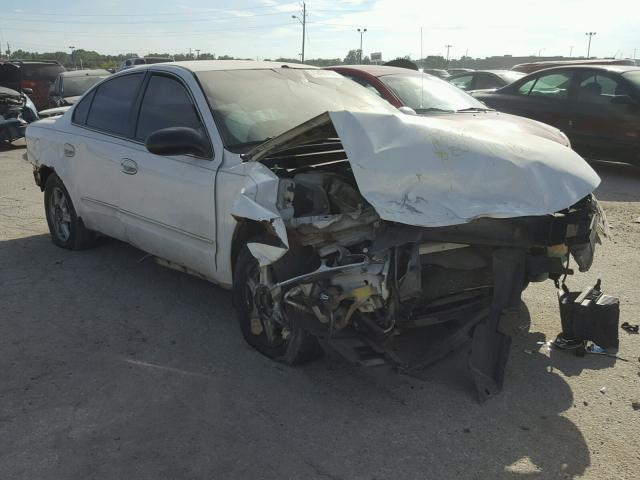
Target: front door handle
129,166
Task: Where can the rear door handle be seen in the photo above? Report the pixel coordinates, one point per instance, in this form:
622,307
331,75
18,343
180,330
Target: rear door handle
129,166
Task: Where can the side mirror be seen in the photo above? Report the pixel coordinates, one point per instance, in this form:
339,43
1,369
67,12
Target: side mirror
28,91
178,141
623,100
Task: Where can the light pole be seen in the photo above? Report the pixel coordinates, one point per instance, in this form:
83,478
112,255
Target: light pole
73,60
197,54
303,21
540,51
448,47
571,51
361,32
589,34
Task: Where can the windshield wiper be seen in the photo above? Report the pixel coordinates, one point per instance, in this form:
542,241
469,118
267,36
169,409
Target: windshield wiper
475,109
432,109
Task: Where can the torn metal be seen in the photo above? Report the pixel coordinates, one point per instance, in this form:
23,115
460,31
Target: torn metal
411,226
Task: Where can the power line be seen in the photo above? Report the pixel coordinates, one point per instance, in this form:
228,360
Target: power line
138,22
150,14
151,34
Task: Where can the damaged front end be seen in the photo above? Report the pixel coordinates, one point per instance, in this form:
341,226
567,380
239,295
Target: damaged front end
384,279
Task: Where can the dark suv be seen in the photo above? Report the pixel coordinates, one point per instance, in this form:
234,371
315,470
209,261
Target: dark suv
36,75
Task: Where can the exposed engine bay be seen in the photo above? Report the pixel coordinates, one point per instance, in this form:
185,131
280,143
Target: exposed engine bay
378,291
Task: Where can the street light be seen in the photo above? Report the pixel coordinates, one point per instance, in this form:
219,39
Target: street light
448,47
540,51
303,22
361,32
589,34
73,60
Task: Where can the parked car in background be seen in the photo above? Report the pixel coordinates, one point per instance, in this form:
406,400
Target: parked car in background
132,62
453,71
335,219
436,72
36,75
484,79
69,86
16,112
535,66
596,106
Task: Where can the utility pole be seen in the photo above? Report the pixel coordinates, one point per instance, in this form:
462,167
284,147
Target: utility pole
448,47
303,22
589,34
571,51
361,32
197,54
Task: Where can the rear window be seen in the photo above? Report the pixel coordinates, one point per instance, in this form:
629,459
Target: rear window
112,102
36,71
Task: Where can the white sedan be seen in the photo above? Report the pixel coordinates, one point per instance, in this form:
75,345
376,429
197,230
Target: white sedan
335,219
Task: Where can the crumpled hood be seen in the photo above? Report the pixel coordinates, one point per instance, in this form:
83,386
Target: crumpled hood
428,172
436,171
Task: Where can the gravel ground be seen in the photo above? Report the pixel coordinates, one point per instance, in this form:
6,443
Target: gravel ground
113,368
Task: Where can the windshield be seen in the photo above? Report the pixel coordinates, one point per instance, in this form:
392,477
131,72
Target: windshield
250,106
633,77
425,92
75,86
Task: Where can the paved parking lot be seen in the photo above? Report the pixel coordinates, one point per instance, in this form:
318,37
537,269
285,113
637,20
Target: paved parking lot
112,367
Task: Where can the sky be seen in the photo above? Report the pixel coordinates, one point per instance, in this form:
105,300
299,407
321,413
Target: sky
266,29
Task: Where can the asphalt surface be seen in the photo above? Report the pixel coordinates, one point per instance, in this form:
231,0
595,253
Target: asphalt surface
112,367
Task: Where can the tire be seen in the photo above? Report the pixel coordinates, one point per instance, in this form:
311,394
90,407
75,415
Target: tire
292,346
66,228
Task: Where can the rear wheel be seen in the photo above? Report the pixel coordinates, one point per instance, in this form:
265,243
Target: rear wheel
67,229
283,340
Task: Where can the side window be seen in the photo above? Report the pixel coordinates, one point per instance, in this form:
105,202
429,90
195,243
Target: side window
600,89
165,104
82,109
112,102
552,85
463,82
487,80
525,88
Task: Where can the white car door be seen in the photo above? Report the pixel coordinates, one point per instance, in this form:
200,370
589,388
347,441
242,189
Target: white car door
167,202
101,124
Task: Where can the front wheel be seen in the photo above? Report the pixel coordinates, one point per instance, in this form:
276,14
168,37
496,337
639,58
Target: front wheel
67,229
290,344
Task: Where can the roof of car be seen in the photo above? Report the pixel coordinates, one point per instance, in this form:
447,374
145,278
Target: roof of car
84,73
608,68
209,65
376,70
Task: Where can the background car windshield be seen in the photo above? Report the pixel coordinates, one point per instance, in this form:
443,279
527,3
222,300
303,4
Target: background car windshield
252,105
424,92
74,86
